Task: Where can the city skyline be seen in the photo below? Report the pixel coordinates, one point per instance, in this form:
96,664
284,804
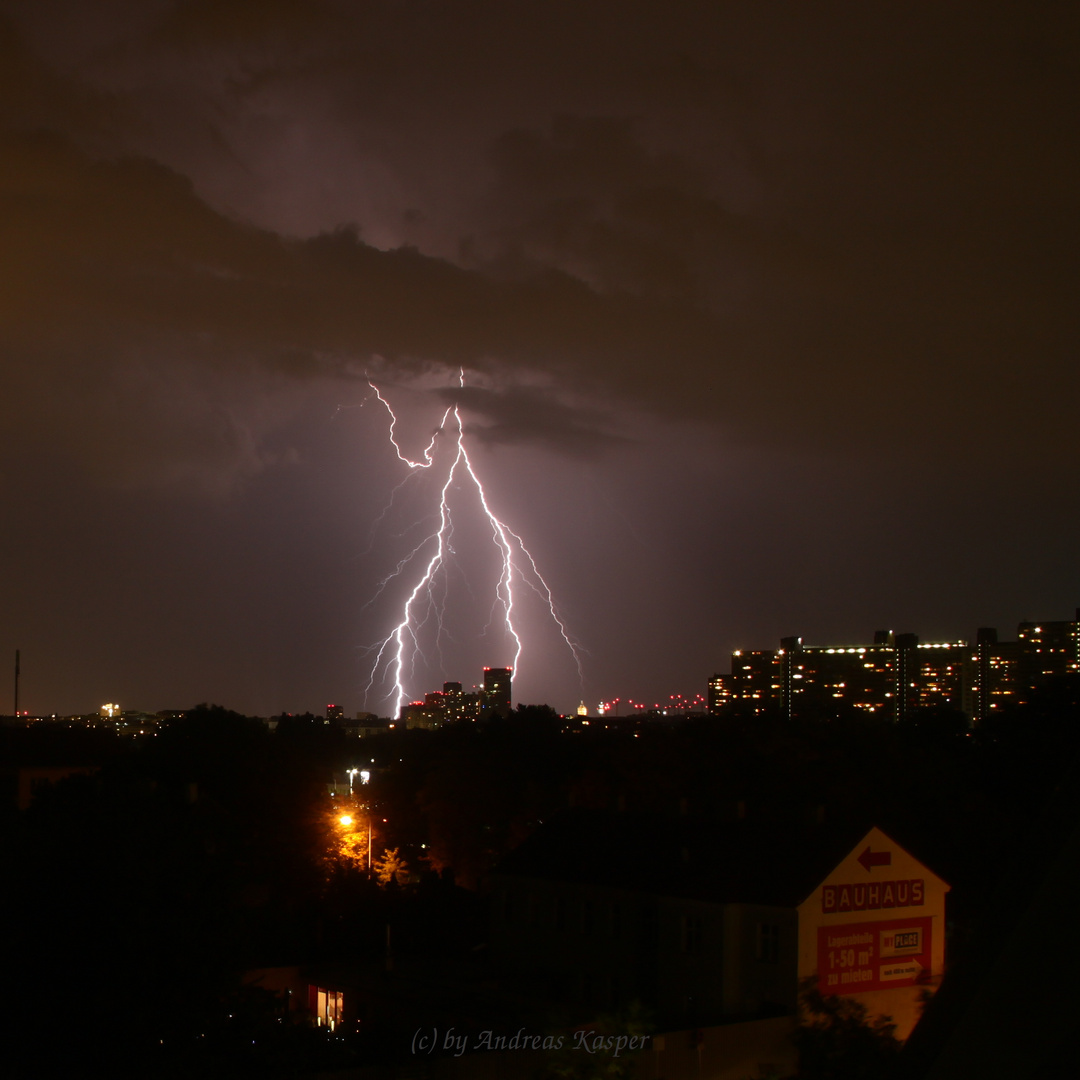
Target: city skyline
897,675
760,321
971,675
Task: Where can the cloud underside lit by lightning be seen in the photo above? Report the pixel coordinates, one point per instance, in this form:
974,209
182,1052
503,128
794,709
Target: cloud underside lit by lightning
396,654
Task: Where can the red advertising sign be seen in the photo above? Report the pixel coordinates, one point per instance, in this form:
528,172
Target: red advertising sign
873,955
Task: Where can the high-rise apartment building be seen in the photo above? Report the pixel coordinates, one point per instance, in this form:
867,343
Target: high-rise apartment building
495,697
1008,672
756,675
819,677
721,691
890,676
898,673
447,705
453,701
1048,648
997,676
936,674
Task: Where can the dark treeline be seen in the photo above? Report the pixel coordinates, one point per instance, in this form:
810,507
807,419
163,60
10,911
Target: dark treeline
137,896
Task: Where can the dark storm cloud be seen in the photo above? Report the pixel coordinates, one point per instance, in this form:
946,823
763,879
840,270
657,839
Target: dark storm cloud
120,264
535,415
588,194
131,305
829,226
822,254
885,275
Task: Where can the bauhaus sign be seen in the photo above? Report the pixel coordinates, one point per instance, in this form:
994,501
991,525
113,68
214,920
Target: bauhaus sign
873,928
872,896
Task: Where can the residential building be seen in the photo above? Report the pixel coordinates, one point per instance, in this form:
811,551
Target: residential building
495,696
897,674
708,923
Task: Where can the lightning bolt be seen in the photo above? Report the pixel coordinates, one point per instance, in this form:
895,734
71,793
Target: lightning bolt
413,466
396,653
428,461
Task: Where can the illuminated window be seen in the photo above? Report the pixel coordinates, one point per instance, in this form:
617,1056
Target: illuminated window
327,1005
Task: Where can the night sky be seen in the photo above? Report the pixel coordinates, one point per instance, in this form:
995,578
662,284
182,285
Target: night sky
766,313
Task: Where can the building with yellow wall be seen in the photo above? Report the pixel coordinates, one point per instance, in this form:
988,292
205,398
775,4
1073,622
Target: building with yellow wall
874,930
716,922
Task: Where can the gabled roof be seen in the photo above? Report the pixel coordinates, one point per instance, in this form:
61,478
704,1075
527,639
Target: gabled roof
875,857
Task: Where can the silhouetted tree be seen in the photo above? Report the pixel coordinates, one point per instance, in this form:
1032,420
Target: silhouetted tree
837,1039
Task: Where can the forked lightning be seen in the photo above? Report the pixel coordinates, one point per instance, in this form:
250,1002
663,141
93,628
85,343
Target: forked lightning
394,654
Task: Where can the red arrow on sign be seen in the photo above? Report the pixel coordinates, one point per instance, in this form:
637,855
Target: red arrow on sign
875,858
